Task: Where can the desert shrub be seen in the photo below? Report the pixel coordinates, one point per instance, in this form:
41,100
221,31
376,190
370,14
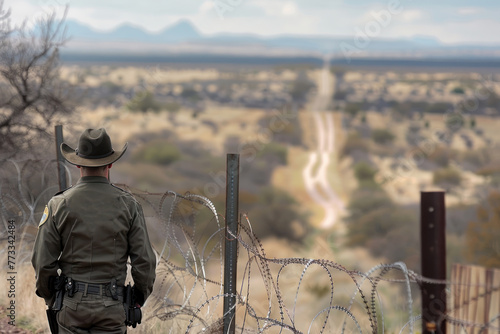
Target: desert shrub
365,200
458,218
274,152
382,136
277,214
352,109
438,108
475,158
190,94
159,152
493,100
172,106
490,169
301,87
259,172
483,234
354,143
284,126
441,156
455,121
448,176
458,90
338,71
111,87
472,122
143,101
400,243
384,228
364,172
340,95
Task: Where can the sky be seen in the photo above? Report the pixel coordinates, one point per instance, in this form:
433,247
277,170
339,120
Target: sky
450,21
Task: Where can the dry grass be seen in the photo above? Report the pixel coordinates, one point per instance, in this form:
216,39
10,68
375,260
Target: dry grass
29,307
313,291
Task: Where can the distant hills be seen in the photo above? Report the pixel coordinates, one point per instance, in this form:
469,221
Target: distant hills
183,37
180,32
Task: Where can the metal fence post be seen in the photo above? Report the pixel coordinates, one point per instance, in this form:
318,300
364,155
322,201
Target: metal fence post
433,257
60,160
231,243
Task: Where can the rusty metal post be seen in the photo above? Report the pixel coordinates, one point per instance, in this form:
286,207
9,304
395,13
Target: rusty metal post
433,257
61,171
231,243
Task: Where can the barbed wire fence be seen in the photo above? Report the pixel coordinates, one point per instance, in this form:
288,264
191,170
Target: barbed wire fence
274,295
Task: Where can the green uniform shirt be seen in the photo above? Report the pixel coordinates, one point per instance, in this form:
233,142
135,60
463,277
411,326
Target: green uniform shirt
89,231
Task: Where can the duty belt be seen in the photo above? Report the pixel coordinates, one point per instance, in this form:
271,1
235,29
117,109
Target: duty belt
98,289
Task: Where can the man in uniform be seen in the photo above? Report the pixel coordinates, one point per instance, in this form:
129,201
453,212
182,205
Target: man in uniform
88,232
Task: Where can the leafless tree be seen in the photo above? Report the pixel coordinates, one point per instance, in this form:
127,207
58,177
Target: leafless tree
31,92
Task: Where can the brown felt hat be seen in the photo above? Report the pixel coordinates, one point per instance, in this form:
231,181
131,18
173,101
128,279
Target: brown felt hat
94,150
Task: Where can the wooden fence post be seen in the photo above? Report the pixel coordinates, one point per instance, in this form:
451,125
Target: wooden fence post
60,160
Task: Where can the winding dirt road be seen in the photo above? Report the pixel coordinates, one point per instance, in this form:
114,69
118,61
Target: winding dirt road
315,173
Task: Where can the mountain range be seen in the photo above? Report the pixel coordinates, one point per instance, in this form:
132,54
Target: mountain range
185,37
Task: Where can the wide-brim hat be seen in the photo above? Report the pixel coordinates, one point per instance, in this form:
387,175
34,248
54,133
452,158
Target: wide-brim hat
94,150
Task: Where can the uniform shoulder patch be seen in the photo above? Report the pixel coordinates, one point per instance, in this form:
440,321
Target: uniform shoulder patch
44,217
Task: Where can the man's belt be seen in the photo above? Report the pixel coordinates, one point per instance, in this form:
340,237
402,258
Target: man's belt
97,289
110,290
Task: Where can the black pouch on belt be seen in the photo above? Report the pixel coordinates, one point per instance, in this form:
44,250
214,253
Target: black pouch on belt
113,289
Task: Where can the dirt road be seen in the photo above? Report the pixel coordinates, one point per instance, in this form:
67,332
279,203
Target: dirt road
315,173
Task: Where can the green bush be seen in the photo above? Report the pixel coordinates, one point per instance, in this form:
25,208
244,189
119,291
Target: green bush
385,229
382,136
441,156
472,122
476,158
354,143
277,214
191,94
160,152
143,101
458,90
483,233
300,88
448,176
365,200
274,152
454,121
340,95
172,106
364,172
352,109
111,87
438,108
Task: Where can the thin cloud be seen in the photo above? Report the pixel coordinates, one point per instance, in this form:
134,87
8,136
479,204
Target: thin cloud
469,10
289,9
412,15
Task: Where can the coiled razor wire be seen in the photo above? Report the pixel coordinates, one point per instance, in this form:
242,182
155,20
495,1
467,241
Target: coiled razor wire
188,291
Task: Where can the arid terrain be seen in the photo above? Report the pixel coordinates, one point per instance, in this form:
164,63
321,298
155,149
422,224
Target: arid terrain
315,143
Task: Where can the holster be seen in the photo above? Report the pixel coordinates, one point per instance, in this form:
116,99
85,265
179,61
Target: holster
132,312
56,285
52,317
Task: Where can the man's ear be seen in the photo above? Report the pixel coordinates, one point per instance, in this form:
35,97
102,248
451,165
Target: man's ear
110,165
78,166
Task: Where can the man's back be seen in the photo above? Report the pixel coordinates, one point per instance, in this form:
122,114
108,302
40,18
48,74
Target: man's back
94,219
88,232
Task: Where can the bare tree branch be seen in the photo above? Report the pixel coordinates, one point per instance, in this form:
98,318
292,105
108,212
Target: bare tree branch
31,93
